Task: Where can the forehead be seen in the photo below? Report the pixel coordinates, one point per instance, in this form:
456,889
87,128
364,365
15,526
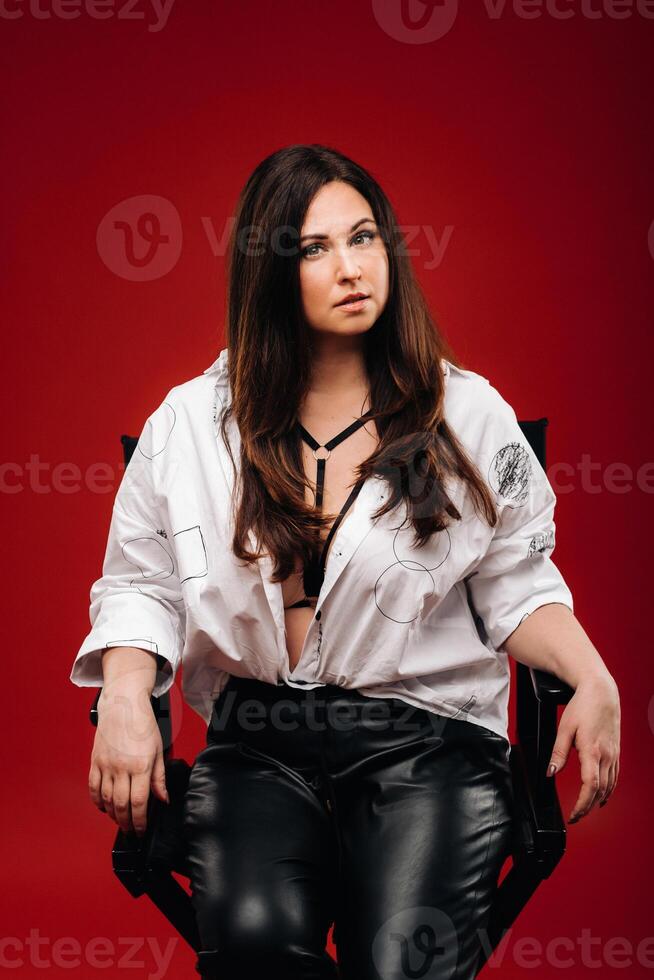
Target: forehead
335,207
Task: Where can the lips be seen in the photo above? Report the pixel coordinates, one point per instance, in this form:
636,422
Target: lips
352,299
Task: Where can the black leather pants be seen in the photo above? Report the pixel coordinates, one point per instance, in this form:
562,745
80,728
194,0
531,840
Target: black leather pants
308,807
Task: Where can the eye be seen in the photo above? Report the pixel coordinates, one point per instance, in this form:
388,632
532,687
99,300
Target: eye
305,251
371,235
368,235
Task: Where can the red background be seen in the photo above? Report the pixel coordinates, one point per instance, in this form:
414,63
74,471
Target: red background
531,140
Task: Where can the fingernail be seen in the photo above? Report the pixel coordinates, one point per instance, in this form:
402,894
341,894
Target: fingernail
552,769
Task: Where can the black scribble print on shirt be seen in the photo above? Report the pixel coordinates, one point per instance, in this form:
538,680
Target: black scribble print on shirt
388,593
541,542
191,553
152,560
150,447
510,473
162,533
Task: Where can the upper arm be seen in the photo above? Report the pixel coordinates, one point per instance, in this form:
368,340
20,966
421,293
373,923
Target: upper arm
516,574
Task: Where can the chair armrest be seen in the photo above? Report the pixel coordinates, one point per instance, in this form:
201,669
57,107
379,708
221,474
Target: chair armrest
538,695
548,687
539,832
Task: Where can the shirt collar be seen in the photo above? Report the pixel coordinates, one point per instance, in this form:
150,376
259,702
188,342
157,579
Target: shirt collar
219,366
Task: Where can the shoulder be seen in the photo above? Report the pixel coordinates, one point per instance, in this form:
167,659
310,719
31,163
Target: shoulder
472,403
193,397
186,413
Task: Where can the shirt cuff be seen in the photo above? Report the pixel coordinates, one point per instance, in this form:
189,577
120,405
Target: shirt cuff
130,620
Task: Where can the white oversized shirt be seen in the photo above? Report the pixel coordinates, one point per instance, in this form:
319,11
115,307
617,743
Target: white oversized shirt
425,625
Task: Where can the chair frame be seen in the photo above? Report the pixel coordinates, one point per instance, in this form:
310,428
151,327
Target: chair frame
146,865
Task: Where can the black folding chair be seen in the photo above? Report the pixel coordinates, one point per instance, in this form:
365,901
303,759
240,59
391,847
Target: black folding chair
146,865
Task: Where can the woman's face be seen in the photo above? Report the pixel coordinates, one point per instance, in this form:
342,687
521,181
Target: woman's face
341,254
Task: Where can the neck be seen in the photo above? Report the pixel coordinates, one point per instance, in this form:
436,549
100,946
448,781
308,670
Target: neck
338,369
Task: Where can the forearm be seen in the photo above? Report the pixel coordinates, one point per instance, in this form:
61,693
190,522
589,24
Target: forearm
128,669
553,639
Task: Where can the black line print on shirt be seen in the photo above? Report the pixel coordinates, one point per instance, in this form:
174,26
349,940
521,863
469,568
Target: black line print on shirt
439,720
191,553
134,639
386,596
154,449
543,541
152,560
510,473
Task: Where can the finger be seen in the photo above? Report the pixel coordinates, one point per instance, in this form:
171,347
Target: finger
139,801
590,764
121,801
611,785
604,782
561,748
95,783
106,792
158,778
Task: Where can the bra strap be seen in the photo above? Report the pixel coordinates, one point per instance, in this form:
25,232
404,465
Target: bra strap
314,572
336,441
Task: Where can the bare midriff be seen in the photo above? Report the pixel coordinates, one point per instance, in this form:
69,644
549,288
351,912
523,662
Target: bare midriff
339,479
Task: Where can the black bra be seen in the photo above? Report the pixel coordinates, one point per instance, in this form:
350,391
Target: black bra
314,571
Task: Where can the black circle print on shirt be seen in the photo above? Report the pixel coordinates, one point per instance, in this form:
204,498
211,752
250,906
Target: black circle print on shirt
510,473
397,603
148,445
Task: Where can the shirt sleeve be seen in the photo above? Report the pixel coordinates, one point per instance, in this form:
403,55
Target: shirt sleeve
137,601
516,575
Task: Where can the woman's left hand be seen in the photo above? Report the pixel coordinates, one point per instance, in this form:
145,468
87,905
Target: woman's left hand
591,722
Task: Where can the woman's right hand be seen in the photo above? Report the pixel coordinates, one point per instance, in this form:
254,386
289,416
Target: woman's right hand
127,757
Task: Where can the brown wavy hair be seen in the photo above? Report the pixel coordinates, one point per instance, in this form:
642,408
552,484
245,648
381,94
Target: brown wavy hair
269,364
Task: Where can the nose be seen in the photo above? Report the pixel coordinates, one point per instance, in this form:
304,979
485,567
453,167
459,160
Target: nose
347,265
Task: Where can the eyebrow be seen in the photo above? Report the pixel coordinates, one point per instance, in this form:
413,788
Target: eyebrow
353,228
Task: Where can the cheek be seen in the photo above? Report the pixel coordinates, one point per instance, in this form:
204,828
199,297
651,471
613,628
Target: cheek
314,290
378,274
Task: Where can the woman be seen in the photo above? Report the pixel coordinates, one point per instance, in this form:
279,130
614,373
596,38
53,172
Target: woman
345,535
